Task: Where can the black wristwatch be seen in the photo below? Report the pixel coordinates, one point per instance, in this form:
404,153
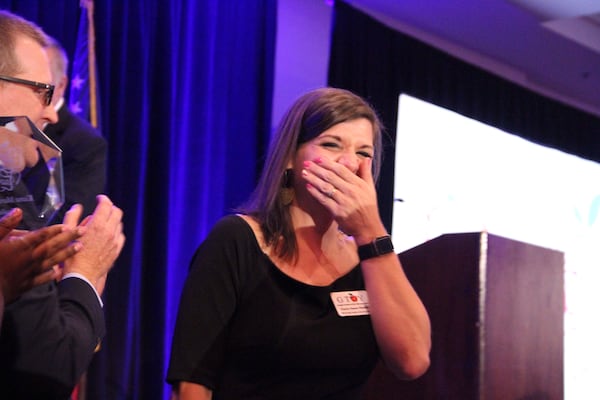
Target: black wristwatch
378,247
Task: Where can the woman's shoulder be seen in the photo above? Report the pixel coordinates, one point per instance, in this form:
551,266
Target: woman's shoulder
230,238
231,224
236,228
254,225
248,221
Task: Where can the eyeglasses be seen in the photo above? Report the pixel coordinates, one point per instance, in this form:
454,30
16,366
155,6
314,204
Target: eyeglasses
44,89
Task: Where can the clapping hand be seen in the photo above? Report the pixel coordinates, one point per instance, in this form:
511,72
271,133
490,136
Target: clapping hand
28,258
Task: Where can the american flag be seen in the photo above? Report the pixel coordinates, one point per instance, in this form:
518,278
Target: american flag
83,96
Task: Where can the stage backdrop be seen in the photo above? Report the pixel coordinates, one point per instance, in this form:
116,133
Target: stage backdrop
380,64
185,94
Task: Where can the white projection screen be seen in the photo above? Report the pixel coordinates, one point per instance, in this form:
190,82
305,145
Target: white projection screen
454,174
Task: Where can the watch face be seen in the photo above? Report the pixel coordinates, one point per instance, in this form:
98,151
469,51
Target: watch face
384,245
380,246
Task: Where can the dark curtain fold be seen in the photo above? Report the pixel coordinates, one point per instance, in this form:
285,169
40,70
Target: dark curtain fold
185,92
379,63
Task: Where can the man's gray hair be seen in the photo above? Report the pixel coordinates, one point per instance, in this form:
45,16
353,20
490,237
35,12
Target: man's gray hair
59,61
11,27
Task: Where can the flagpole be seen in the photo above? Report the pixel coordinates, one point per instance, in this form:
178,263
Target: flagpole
89,4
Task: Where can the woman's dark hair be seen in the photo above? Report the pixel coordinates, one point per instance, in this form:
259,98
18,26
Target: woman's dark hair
312,114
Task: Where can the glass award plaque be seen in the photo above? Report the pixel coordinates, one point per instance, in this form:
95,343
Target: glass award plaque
31,172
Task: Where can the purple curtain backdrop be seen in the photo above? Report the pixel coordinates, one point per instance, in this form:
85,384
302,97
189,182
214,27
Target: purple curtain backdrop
185,90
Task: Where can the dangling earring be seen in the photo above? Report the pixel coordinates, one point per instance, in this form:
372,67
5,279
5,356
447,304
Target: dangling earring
287,189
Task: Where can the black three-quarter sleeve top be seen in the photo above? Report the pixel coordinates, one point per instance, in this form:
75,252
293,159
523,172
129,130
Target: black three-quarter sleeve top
248,331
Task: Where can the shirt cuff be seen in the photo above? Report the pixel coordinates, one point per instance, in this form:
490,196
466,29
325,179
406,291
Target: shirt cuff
83,278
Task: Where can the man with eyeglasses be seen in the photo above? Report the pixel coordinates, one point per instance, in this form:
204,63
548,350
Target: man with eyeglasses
49,333
24,77
44,90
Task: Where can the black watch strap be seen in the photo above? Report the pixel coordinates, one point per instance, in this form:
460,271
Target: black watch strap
378,247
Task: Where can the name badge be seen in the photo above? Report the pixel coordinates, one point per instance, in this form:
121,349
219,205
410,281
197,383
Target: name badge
351,303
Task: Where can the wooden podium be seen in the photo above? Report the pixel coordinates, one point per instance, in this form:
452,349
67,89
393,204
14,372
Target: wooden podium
496,307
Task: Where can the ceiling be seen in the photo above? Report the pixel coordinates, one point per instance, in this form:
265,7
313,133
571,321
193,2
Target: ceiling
550,46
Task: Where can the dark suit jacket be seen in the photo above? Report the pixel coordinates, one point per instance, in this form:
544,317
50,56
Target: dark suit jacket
84,160
48,339
49,334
